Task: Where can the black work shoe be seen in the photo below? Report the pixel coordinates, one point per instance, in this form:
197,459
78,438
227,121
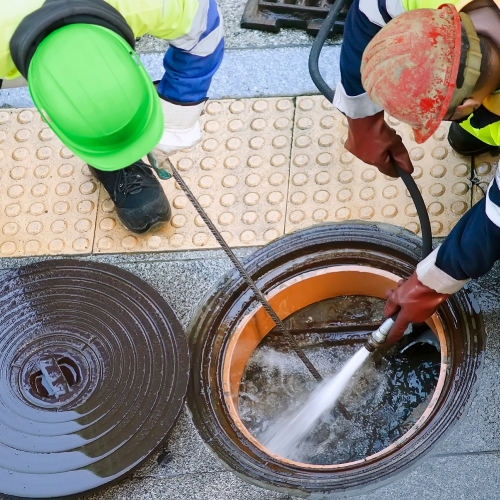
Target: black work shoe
466,144
137,194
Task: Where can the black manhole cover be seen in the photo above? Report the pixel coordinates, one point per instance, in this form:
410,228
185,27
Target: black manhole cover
93,373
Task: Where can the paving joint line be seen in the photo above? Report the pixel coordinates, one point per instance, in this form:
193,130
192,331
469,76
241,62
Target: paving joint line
255,47
467,453
282,46
179,474
288,189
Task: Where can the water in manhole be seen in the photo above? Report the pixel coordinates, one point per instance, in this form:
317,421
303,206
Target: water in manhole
384,399
318,264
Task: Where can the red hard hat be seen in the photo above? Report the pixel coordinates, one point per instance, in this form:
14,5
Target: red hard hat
410,67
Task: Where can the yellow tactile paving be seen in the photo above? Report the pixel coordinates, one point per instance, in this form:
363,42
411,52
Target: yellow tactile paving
327,183
485,167
239,173
48,199
253,180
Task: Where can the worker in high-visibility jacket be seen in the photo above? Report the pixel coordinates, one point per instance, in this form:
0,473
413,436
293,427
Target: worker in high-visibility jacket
423,62
77,58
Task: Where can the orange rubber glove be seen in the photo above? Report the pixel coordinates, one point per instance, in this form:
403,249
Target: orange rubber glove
414,302
372,140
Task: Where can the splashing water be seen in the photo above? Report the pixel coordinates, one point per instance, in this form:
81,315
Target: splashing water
284,437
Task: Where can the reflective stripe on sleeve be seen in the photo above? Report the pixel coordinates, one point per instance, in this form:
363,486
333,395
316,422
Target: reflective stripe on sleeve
434,278
358,106
492,210
370,9
394,7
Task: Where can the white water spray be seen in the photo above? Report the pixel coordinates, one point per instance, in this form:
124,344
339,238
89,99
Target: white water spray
285,436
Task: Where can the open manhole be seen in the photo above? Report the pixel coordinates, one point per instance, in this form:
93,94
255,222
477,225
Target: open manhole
329,282
93,368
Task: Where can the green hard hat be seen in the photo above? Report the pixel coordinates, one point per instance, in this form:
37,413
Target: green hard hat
94,93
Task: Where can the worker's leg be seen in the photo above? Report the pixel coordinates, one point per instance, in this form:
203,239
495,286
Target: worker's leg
465,143
190,63
192,59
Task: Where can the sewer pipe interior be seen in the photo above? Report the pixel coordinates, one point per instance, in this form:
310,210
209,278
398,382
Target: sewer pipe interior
290,297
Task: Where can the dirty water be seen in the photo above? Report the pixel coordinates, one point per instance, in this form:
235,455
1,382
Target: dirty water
383,400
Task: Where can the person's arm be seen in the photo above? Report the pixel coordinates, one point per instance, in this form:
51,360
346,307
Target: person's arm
369,137
364,20
470,251
190,64
473,246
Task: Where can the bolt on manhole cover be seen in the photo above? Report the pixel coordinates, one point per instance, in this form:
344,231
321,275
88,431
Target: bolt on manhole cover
93,368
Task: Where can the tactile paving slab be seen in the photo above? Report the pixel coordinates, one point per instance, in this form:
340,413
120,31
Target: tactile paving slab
485,167
239,174
48,199
254,183
327,183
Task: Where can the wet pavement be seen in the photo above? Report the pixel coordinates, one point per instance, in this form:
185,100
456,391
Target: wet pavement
466,465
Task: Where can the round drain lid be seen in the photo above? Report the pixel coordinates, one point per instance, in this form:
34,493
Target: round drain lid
93,369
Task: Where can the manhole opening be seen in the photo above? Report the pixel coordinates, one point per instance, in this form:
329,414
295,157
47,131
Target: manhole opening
330,261
69,370
345,437
384,399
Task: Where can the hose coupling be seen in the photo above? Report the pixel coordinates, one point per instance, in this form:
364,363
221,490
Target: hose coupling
377,338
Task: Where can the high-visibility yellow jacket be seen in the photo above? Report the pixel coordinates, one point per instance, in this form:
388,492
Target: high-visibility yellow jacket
167,19
350,97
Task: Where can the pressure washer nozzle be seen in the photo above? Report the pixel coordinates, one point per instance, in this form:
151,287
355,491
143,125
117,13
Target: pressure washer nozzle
377,338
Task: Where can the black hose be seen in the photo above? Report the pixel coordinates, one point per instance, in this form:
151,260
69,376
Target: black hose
324,88
321,37
418,201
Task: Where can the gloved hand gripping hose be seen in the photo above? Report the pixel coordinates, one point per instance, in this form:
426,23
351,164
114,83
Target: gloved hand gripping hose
379,336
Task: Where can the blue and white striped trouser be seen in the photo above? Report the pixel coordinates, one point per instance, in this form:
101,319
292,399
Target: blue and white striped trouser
192,60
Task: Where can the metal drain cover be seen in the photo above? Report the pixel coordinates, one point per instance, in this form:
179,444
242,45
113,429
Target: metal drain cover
272,15
93,373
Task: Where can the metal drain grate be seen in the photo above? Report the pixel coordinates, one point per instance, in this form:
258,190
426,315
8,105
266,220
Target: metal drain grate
272,15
